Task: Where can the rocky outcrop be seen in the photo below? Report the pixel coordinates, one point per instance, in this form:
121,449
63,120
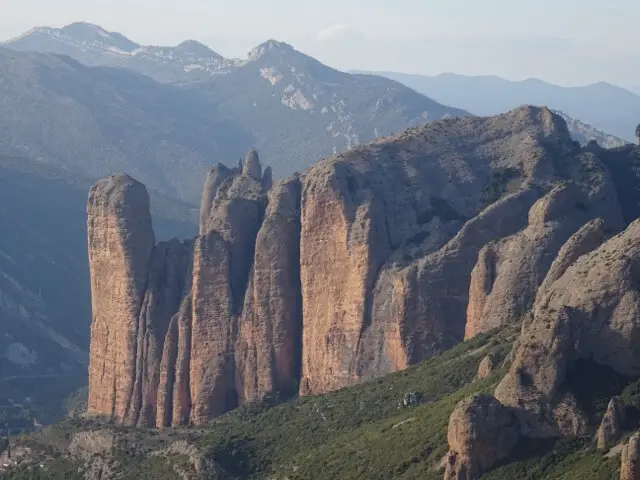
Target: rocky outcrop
590,312
268,348
481,433
508,273
378,233
370,261
215,177
630,459
486,367
252,167
612,424
121,243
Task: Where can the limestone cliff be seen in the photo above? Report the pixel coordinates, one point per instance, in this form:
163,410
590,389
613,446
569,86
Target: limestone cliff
370,261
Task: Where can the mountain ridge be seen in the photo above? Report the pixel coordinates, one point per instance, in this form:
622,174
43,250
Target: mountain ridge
338,275
471,256
607,107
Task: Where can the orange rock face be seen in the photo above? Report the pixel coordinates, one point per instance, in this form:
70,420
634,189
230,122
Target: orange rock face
371,261
268,347
121,242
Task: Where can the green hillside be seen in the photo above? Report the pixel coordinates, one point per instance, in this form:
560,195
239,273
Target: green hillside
362,432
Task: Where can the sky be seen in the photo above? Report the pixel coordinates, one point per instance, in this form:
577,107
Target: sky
567,42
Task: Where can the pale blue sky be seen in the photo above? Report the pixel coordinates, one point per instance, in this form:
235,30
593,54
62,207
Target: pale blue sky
569,42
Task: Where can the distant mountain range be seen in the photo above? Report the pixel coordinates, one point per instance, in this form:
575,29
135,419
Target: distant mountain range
94,46
289,106
606,107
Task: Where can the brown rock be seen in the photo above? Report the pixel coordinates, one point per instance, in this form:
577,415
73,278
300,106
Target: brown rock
236,215
505,281
252,167
371,261
166,286
268,349
211,358
267,179
483,276
591,312
612,424
587,239
630,459
486,367
121,242
174,390
481,433
222,262
215,177
385,265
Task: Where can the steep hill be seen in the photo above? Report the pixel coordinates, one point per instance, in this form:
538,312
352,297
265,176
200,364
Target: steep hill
607,107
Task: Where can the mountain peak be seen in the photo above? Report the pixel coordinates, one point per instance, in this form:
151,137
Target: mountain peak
196,48
271,46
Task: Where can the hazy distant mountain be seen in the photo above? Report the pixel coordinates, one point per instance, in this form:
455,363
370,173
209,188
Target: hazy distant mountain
94,46
95,121
606,107
294,109
585,133
301,110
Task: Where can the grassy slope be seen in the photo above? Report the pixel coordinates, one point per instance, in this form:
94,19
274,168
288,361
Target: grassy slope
356,433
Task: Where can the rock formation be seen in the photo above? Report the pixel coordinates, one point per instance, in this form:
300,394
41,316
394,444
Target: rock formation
370,261
612,424
121,243
589,312
486,367
630,459
481,433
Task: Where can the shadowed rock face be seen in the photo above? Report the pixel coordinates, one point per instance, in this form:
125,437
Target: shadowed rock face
591,311
370,261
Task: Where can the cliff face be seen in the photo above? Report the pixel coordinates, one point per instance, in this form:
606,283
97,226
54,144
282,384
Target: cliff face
371,261
121,243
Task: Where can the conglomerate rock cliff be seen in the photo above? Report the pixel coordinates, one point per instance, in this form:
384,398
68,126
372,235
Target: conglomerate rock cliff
370,261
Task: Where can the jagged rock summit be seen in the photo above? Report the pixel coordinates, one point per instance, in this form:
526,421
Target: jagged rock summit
370,261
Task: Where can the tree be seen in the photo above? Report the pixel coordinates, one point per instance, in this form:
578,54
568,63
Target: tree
638,133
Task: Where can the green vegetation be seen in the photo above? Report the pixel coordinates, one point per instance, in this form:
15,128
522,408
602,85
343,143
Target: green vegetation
362,432
501,182
561,460
58,469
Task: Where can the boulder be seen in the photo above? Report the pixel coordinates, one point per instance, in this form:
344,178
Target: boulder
486,367
481,433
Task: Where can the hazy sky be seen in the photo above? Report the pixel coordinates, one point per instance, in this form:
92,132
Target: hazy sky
570,42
